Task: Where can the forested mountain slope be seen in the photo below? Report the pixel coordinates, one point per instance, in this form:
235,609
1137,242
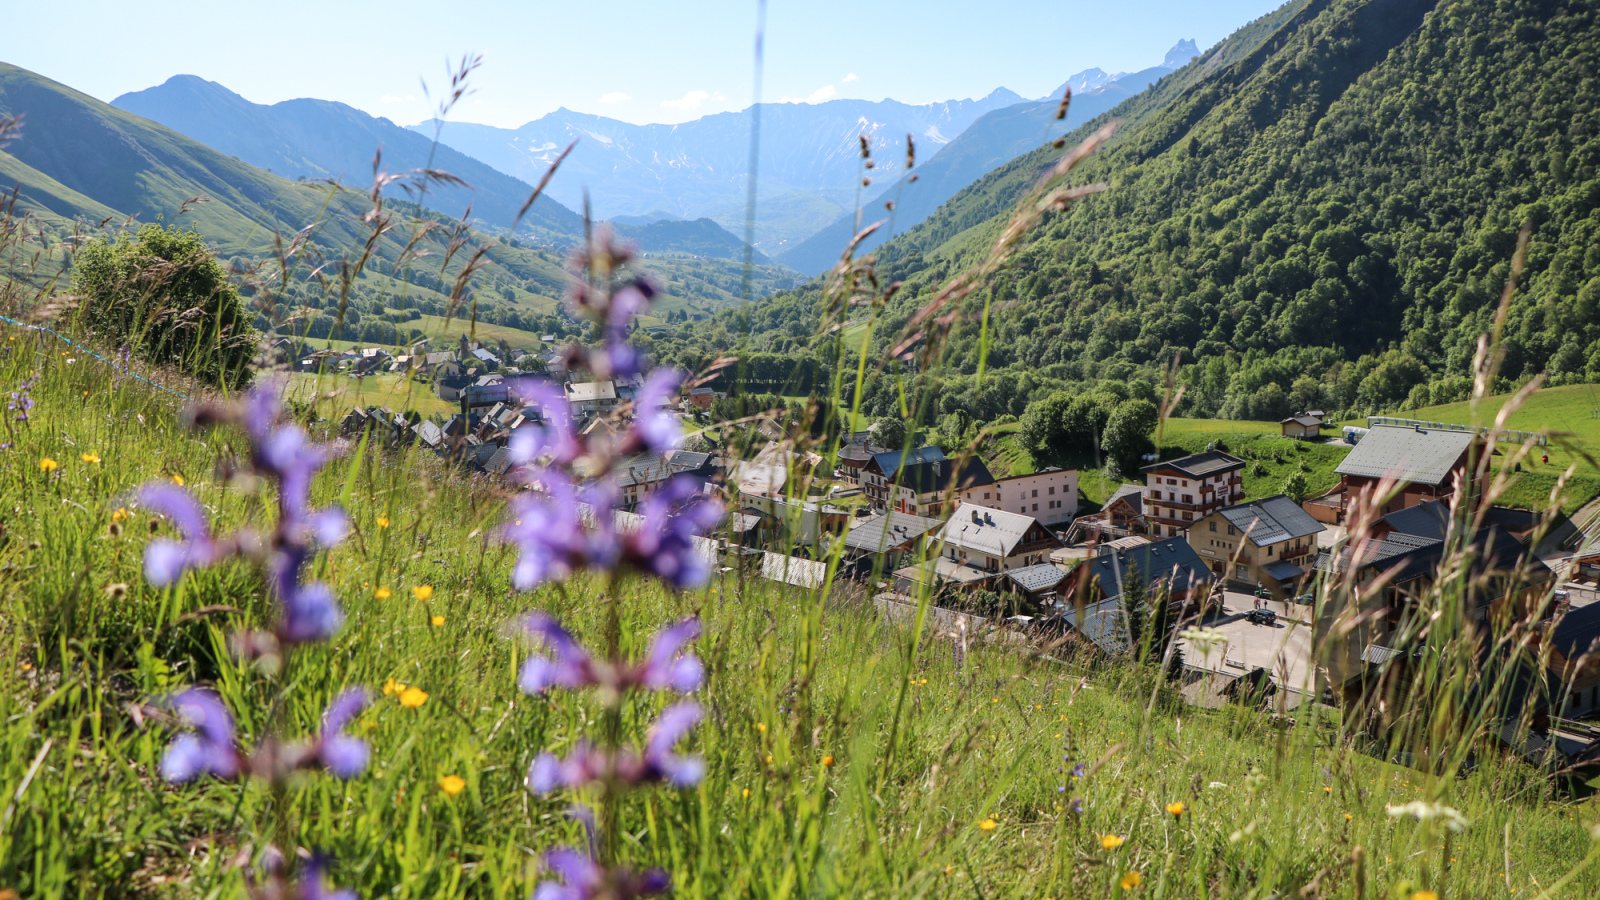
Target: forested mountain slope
1327,221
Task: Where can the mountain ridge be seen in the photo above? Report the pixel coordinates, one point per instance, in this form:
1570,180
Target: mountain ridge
810,164
307,138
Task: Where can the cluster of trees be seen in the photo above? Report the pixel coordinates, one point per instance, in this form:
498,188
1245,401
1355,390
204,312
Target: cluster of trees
1067,430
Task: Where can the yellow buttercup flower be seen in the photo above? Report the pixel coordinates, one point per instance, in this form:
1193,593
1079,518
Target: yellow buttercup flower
1131,880
1425,895
1110,841
46,464
90,458
452,784
1176,808
382,593
746,792
413,697
120,514
827,761
761,727
383,521
392,687
177,480
437,621
988,824
422,592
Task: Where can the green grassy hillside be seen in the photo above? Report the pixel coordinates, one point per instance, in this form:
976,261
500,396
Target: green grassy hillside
841,757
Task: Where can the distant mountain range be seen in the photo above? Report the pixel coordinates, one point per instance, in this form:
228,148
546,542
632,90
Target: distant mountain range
810,158
811,176
994,139
318,139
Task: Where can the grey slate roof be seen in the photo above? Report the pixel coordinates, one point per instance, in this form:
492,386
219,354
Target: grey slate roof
890,461
1156,562
1307,421
1271,520
939,474
887,530
1033,579
1413,455
1102,624
1199,465
995,531
1431,519
1133,493
1578,633
1283,571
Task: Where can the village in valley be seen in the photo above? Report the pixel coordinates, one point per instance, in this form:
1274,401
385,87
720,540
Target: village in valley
1028,558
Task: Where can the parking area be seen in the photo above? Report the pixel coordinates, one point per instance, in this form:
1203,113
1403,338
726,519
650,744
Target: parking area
1283,649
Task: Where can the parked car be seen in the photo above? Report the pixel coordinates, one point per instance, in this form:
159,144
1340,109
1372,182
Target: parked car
1262,617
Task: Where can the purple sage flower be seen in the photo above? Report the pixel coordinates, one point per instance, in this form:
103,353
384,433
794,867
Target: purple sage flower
587,764
210,748
656,427
313,883
22,400
664,545
310,612
665,666
166,560
548,531
584,879
554,442
344,756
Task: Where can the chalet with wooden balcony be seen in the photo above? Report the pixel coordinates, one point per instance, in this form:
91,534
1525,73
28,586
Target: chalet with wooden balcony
1181,492
993,540
1269,543
1424,463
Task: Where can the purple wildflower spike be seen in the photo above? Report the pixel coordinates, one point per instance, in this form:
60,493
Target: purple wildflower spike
341,754
166,560
664,545
584,879
210,748
587,764
310,614
571,667
656,427
548,531
555,439
674,724
664,668
313,883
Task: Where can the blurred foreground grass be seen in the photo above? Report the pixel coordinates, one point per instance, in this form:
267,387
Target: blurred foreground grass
842,757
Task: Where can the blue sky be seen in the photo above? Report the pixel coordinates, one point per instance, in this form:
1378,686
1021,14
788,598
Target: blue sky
660,61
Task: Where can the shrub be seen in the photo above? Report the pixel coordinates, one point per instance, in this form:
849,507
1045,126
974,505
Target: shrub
163,294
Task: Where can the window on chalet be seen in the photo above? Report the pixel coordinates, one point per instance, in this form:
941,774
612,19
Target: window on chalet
1188,498
1213,525
1036,492
1052,491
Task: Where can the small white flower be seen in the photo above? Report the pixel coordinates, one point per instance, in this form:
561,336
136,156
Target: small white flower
1424,811
1204,639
